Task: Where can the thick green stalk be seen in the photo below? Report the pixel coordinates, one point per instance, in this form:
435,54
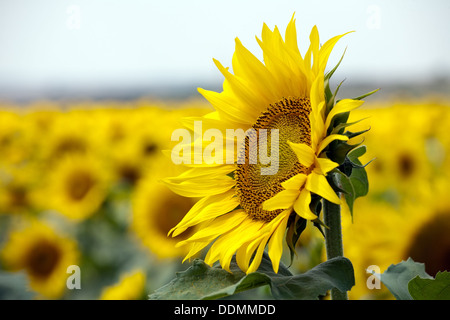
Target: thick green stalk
333,239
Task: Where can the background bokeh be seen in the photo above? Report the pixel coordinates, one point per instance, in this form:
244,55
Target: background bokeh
91,91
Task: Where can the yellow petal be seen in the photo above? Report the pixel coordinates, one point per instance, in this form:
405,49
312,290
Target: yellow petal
245,251
243,91
218,226
317,95
295,183
344,105
276,241
305,154
205,209
324,165
325,142
291,36
194,248
318,184
315,42
254,70
227,107
301,206
200,188
326,49
258,255
282,200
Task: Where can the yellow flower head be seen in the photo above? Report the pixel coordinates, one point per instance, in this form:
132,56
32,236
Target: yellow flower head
77,187
243,209
44,255
155,211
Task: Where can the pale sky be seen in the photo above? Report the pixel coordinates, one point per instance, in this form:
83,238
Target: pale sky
112,42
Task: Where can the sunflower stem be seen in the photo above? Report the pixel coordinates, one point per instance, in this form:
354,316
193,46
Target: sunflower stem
333,239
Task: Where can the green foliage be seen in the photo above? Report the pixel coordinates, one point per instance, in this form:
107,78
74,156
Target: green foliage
408,280
431,289
350,177
397,276
201,281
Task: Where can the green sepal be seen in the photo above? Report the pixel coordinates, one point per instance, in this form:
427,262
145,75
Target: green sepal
330,101
338,150
329,96
350,134
366,95
293,234
350,177
339,129
319,224
329,74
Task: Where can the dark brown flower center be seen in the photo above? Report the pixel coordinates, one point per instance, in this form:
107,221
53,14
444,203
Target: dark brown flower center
431,245
79,183
290,116
171,210
42,259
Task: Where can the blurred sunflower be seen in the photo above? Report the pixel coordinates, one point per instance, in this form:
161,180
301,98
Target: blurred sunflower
44,255
77,187
409,159
68,134
18,189
13,148
155,211
242,210
130,287
382,235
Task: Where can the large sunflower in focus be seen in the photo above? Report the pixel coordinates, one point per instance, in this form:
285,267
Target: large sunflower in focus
242,209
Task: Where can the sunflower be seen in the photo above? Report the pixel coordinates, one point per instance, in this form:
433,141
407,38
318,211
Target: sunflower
77,187
44,255
155,211
130,287
243,208
13,145
382,234
18,186
66,135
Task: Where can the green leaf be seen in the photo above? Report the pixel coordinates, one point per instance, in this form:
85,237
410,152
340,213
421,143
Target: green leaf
431,289
201,281
351,178
356,153
334,273
397,277
198,281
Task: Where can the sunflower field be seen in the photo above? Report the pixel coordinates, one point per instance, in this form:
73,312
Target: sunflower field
324,196
80,186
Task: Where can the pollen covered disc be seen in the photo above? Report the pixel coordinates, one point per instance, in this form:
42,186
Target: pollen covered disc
263,164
